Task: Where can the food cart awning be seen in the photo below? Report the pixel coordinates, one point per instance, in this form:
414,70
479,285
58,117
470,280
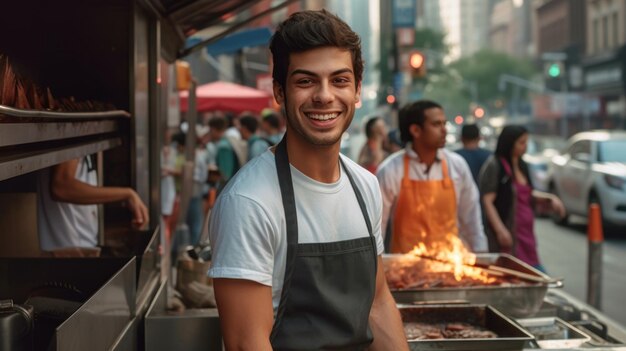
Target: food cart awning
235,42
180,19
227,96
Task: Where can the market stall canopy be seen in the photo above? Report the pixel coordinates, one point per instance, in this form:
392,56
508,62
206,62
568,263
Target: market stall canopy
180,19
227,96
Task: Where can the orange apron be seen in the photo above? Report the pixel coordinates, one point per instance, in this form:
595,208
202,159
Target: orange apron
425,211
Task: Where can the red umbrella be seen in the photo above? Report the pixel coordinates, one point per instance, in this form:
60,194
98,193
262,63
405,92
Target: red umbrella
227,96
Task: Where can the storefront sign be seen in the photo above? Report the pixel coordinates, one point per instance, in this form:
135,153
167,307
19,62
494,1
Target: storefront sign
403,13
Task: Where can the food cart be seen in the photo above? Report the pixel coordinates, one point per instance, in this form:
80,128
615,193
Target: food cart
82,78
120,53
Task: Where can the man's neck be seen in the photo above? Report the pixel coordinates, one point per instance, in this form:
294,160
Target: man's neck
317,162
470,145
426,155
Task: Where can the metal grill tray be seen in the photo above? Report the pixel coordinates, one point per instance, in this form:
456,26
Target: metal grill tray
511,337
554,333
517,301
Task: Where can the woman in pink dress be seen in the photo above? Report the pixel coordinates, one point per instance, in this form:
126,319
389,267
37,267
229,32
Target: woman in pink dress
508,196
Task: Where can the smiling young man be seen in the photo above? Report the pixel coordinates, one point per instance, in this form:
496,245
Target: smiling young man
296,233
428,192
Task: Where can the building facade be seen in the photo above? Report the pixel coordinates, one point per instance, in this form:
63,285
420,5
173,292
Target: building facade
604,64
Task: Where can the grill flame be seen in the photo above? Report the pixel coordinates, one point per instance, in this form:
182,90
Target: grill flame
450,255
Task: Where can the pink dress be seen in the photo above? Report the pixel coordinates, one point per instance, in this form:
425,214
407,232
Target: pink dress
525,243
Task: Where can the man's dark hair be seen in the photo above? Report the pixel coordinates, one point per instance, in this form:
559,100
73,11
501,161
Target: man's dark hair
179,138
230,119
307,30
413,113
470,132
218,123
273,120
369,126
507,139
251,123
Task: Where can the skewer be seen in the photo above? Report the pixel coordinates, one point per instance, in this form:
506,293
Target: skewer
497,270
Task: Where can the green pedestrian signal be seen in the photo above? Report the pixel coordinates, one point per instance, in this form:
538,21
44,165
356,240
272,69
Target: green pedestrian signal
554,70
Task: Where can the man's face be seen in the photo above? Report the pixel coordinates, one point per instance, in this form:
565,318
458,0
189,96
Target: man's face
380,129
215,134
320,94
433,134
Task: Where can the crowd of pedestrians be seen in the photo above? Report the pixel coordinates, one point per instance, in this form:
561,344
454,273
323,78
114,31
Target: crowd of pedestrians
483,197
224,143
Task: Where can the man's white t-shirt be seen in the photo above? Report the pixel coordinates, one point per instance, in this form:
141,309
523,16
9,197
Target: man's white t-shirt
248,230
63,224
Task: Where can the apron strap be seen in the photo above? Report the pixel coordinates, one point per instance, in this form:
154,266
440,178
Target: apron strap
447,182
361,202
289,205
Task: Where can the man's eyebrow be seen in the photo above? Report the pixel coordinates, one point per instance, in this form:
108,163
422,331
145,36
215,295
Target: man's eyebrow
309,73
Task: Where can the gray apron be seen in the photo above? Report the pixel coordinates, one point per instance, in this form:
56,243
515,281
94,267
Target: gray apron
328,287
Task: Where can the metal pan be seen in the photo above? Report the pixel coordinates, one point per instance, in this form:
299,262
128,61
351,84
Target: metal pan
517,301
511,337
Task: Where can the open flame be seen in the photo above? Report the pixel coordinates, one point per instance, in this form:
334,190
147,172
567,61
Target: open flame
450,255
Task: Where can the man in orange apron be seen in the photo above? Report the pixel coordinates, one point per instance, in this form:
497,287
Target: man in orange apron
428,192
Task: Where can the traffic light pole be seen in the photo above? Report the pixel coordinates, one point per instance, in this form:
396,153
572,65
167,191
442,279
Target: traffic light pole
564,117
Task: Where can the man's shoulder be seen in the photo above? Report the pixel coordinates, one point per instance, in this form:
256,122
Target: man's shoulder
453,156
358,171
255,179
392,161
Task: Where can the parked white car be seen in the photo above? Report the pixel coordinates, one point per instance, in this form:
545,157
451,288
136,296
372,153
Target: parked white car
592,170
538,154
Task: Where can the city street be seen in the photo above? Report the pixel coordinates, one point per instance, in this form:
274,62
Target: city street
563,251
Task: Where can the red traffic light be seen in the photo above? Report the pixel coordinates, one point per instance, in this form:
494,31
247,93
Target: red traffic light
417,64
458,119
416,60
479,112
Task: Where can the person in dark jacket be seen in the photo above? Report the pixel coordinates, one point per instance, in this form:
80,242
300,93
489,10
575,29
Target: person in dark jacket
507,196
471,151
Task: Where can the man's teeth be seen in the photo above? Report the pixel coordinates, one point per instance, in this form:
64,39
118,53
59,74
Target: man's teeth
322,117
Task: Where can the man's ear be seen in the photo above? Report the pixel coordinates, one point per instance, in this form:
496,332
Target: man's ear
279,94
358,93
415,130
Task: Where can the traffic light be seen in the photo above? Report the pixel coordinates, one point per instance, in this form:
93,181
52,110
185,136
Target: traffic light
479,112
417,64
554,69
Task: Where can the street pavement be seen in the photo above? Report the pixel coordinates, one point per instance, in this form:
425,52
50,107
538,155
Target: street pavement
563,251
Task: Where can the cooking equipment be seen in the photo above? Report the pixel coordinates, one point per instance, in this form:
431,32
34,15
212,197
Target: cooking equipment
79,303
514,300
16,326
554,333
510,335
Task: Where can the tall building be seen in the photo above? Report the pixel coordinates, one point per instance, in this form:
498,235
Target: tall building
604,64
511,28
464,23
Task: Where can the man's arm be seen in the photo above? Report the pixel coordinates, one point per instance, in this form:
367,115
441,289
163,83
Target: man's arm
66,188
385,321
246,313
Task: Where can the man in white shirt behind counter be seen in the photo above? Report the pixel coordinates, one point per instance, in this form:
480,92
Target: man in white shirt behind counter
428,192
68,194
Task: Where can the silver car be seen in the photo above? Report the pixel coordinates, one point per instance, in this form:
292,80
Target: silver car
592,170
